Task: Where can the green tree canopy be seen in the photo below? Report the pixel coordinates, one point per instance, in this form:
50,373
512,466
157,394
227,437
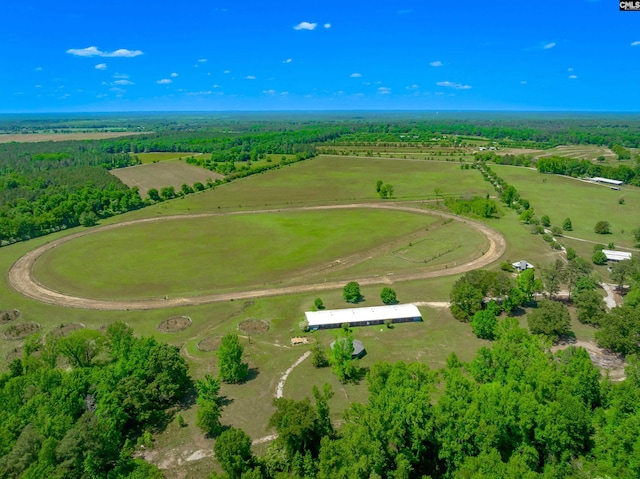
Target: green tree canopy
230,365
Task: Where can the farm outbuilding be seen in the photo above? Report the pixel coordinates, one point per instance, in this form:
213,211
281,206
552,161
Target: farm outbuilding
334,318
522,265
616,255
607,181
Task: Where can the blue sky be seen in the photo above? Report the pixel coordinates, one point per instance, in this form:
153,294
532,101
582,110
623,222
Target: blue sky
575,55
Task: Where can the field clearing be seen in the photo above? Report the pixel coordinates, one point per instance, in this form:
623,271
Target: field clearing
580,152
335,179
36,137
585,203
158,175
155,157
190,257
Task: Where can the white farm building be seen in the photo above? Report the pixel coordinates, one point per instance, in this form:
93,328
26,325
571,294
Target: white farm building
334,318
616,255
607,181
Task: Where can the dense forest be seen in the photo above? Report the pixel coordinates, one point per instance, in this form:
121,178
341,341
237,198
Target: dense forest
77,406
48,186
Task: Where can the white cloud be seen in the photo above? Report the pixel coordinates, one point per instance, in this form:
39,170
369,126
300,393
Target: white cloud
115,89
288,60
284,93
164,81
415,86
305,26
327,25
573,77
38,69
635,44
437,63
569,69
94,52
120,75
549,46
523,82
203,92
173,75
383,90
250,77
269,92
101,66
215,85
454,85
356,75
123,82
202,60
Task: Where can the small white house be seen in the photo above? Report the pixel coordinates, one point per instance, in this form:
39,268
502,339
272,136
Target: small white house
522,265
616,255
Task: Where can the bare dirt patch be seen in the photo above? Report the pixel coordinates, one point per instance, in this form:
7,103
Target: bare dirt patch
175,324
15,353
209,344
66,329
603,359
302,340
9,315
20,331
166,173
253,326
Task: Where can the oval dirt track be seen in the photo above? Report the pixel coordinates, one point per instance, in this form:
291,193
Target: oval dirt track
22,280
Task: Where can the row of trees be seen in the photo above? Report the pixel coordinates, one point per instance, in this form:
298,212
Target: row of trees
580,168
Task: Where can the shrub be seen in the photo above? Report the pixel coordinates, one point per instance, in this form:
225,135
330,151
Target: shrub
599,258
602,228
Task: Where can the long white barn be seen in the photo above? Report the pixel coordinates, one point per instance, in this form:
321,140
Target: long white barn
334,318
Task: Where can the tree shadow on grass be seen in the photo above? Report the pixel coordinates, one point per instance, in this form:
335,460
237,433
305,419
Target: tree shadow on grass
252,374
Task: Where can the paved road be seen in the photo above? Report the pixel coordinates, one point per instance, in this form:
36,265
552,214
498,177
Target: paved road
22,280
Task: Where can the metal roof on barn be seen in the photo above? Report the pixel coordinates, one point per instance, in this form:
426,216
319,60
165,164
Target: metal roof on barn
356,315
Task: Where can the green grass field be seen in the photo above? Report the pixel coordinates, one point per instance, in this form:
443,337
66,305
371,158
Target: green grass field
203,255
156,157
585,203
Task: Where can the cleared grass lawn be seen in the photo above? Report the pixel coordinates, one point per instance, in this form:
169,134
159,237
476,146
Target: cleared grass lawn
158,175
585,203
158,156
195,256
427,250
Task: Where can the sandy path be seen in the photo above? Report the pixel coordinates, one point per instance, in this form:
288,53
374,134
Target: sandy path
283,379
22,280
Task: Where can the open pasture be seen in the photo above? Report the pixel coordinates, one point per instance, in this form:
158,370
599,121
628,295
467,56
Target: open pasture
158,156
585,203
158,175
190,257
335,179
580,152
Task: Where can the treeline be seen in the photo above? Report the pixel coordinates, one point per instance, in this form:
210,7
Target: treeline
77,406
226,146
476,207
580,168
48,186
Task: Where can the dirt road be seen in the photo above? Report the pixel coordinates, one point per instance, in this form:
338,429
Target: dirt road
22,280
